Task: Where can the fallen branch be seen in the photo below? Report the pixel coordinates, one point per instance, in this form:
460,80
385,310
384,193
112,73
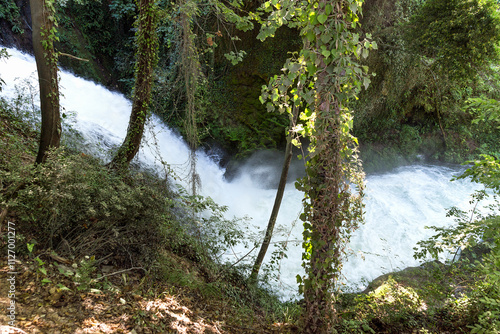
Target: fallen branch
119,272
226,269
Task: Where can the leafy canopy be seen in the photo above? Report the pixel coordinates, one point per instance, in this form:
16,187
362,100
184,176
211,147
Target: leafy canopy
468,32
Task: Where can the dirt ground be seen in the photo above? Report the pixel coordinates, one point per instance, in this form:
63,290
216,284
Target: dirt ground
127,305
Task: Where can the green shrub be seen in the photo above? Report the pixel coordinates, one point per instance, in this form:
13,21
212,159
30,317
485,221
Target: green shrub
473,229
75,205
410,140
10,12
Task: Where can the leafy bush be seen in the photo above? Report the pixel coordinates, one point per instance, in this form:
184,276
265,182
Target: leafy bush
410,140
10,12
215,233
74,204
473,229
467,30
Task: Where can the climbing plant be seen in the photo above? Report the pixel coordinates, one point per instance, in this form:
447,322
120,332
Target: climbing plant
192,76
147,46
330,76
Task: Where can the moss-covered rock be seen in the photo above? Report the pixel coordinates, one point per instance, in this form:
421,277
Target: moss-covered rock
431,298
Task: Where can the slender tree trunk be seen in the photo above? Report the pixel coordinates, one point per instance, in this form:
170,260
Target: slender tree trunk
277,201
437,106
43,20
147,46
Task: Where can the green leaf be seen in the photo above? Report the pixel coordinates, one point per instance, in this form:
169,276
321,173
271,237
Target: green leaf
322,18
345,128
366,82
311,68
328,9
365,53
275,95
311,36
294,67
63,287
312,18
353,7
325,38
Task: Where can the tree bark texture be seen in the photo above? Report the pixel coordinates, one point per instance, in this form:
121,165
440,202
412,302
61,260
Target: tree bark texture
326,197
42,16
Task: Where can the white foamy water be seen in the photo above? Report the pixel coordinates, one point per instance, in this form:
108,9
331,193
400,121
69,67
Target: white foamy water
399,204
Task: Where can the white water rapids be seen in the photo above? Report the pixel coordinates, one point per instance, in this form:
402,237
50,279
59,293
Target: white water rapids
399,204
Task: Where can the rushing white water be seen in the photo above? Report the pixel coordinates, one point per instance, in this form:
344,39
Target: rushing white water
399,204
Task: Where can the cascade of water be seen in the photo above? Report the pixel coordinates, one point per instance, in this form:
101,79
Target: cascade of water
399,204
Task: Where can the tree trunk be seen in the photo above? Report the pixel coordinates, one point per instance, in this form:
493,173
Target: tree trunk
326,220
43,20
277,201
147,45
326,197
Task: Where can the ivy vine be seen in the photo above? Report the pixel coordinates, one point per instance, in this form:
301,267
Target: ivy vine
323,77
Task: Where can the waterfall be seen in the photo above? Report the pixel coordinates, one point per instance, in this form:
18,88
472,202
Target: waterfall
399,204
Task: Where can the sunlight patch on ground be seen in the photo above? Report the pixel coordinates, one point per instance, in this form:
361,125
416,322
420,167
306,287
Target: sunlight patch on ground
94,326
168,309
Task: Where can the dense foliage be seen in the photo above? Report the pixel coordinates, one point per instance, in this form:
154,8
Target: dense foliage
416,103
73,209
467,31
414,107
320,82
436,92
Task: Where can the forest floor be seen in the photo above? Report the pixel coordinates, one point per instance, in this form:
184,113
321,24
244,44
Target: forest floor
128,305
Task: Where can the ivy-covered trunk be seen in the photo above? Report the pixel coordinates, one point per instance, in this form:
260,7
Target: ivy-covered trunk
332,213
44,36
331,77
147,46
327,194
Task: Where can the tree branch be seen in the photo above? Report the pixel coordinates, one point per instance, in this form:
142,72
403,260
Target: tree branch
71,56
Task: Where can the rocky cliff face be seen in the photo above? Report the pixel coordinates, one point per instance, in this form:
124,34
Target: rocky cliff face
15,25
